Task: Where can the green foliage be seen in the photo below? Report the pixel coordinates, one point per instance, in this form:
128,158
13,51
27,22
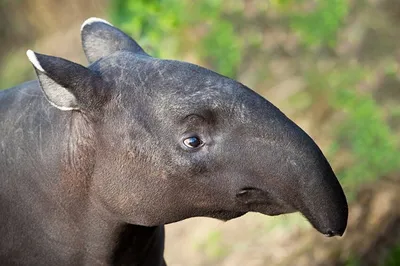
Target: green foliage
162,24
150,20
15,69
322,24
393,258
363,131
316,22
219,49
352,261
369,137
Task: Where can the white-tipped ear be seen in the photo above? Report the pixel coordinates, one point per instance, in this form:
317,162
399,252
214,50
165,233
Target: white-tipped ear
32,57
100,39
66,85
93,20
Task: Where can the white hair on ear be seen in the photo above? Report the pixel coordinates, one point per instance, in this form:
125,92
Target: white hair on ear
32,57
93,20
61,107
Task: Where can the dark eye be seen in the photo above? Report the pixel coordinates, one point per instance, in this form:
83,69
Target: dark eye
193,142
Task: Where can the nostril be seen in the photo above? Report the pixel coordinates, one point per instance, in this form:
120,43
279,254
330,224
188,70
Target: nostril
331,233
245,192
241,193
250,195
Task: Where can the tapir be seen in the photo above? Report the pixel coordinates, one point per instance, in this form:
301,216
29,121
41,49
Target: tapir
95,160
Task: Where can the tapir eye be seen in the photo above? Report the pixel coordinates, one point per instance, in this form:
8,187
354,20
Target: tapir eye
193,142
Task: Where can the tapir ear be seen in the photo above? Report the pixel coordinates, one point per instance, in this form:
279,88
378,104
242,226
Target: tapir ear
67,85
100,38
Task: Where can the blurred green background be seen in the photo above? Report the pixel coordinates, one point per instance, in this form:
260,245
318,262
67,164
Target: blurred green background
330,65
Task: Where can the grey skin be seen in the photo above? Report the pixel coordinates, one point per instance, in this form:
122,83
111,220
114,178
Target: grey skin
95,160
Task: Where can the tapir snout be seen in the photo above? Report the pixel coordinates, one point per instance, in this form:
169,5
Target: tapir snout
329,213
289,172
320,197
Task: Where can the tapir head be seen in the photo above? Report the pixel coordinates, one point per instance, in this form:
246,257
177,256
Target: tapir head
174,140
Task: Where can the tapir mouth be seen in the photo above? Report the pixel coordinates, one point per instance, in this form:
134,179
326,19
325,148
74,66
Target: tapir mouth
258,200
225,215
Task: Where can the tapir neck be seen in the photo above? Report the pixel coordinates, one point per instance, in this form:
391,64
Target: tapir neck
111,242
46,163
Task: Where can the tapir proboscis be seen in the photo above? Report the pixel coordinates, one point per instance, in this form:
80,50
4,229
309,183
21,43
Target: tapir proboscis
94,161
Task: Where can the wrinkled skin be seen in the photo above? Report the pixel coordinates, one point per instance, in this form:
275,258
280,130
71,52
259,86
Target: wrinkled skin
94,161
